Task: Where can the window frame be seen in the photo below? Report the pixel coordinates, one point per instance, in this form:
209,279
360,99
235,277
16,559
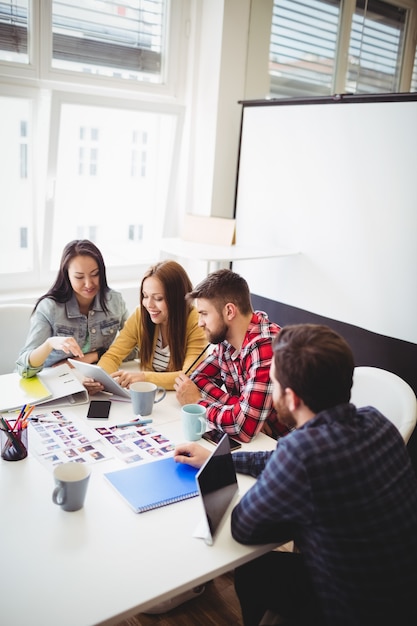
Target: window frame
23,280
60,98
168,87
48,88
347,11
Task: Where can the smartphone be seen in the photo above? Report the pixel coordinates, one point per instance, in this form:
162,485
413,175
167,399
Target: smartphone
214,436
99,409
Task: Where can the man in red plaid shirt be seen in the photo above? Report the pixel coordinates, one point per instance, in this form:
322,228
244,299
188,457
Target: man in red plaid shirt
233,381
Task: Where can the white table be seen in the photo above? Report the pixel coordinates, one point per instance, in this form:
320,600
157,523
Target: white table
214,255
104,563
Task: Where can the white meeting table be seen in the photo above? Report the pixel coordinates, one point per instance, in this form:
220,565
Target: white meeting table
104,563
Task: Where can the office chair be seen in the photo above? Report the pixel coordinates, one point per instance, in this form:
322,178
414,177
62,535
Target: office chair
388,393
14,327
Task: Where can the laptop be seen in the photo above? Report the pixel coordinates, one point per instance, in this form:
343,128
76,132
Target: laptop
217,486
110,385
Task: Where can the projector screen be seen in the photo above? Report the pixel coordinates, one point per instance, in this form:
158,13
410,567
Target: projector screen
335,179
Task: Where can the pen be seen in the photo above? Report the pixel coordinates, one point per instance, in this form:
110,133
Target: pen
44,420
195,361
134,423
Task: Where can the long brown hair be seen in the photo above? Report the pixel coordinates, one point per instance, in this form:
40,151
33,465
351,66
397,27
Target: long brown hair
176,285
61,291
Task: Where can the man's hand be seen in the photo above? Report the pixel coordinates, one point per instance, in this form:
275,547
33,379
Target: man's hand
191,454
187,392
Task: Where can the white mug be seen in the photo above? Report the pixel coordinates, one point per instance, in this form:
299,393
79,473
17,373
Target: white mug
194,421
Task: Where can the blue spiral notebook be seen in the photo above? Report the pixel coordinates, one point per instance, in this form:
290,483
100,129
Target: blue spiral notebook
155,484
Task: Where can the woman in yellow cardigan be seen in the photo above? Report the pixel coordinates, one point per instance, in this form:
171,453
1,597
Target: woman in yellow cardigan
164,328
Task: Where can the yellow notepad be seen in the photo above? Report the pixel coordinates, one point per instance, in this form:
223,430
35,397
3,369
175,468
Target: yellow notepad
16,391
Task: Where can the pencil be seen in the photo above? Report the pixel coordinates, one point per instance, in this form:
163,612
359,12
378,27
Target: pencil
195,361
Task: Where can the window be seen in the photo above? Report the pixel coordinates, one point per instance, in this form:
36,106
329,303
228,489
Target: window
23,150
95,194
123,39
14,31
303,46
16,183
414,77
91,115
310,54
375,48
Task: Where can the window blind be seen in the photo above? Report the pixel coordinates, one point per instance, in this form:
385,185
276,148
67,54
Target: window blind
376,47
414,77
14,28
303,46
125,35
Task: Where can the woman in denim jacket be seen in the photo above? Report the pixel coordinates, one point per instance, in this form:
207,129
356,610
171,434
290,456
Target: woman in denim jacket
78,317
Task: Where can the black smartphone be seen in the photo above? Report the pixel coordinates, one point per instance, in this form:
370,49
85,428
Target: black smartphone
98,409
214,436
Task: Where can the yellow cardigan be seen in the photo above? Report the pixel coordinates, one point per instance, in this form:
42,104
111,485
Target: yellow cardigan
130,337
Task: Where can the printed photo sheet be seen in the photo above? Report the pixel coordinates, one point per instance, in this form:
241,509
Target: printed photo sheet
132,444
55,439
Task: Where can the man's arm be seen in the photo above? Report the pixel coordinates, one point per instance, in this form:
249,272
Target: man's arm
237,395
271,510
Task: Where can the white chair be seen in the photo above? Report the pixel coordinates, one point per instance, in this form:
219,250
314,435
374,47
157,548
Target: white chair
388,393
14,327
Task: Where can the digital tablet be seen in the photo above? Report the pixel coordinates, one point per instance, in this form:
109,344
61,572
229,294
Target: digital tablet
94,371
217,486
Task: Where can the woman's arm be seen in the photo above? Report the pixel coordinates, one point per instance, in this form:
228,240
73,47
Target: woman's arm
127,339
42,340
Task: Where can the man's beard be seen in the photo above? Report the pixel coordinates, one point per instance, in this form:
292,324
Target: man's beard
218,336
284,414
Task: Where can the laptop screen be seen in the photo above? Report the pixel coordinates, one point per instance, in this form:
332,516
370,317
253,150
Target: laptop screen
217,485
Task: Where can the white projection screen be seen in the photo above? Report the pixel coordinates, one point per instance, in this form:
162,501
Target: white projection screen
335,179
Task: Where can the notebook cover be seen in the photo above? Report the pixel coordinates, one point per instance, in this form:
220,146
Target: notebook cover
154,484
16,391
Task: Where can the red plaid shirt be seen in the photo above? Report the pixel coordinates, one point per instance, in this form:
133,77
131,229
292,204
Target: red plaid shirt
236,387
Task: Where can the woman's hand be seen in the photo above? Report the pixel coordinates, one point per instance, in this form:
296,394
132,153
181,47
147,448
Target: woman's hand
127,378
66,344
92,386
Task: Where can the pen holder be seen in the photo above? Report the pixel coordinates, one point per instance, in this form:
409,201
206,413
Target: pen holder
14,445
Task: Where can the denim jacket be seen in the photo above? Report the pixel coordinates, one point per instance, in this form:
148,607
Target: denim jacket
65,320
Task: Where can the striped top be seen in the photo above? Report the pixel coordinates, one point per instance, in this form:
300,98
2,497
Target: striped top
161,355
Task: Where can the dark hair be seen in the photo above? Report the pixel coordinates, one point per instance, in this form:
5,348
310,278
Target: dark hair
224,286
316,363
176,284
61,290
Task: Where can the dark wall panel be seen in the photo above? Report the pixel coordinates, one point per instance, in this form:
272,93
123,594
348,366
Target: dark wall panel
368,348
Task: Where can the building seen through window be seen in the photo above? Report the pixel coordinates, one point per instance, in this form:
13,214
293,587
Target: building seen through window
305,58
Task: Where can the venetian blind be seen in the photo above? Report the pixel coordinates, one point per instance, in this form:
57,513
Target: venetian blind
14,30
123,35
376,46
303,46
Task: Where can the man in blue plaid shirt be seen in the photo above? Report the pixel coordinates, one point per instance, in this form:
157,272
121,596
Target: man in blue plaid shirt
340,485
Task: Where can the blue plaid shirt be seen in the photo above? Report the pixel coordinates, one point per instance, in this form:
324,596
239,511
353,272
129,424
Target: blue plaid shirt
343,488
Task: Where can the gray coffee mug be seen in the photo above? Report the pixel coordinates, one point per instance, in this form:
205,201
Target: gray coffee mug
71,481
144,396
